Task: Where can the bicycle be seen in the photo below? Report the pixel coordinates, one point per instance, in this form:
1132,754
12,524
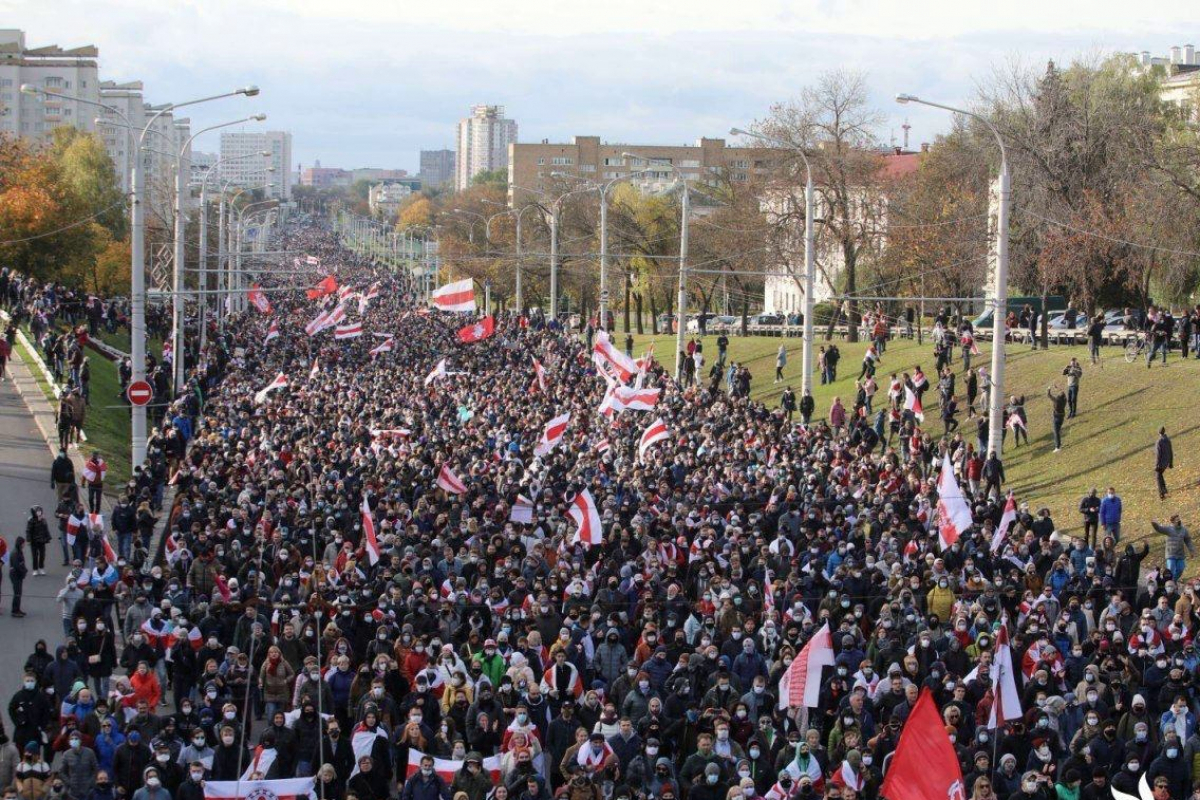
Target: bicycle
1134,349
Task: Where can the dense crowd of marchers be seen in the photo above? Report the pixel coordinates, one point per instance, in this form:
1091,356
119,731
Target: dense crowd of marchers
370,578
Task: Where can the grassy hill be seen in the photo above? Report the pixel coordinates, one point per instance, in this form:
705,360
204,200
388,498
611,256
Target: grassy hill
1110,442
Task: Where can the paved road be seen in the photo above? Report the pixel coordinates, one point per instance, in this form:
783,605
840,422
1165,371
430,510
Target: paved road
24,482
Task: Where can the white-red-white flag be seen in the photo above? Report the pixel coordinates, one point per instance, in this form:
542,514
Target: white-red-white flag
768,592
279,383
800,685
383,347
847,777
1006,700
540,371
351,331
438,371
457,296
450,482
370,542
448,768
272,332
1006,520
552,434
603,351
954,514
281,789
315,371
657,432
588,529
913,403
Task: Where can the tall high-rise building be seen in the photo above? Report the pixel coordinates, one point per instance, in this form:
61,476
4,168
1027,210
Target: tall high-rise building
437,167
120,139
483,140
64,73
241,168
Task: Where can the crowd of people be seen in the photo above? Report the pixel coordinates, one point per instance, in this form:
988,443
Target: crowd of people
369,577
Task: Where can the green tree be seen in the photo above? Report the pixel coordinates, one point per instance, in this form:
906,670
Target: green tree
88,173
491,177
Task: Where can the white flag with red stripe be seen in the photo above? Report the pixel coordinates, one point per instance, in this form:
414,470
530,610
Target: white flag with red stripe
657,432
448,768
279,383
282,789
800,686
438,372
1006,700
913,403
74,525
369,541
1006,520
954,514
457,296
272,332
768,592
450,482
383,347
315,371
552,435
845,777
587,519
540,371
351,331
318,324
604,352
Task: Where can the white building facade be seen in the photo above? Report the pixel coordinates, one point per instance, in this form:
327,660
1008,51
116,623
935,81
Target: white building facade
64,73
385,198
483,140
241,168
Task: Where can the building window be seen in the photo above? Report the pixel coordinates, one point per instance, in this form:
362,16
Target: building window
689,162
541,162
562,161
740,163
739,176
614,162
587,167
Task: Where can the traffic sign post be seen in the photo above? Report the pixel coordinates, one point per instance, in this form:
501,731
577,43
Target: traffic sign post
140,393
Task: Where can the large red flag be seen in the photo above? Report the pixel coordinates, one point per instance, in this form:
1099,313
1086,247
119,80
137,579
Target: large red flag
327,286
925,766
477,332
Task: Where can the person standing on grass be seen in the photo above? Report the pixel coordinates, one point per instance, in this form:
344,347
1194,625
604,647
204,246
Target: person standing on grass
1058,414
1073,371
1164,459
837,417
780,363
971,386
807,406
722,348
5,353
1179,545
1089,508
1095,336
787,401
1110,514
993,475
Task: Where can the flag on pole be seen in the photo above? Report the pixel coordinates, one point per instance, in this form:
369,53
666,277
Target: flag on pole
326,287
1006,701
448,481
800,686
925,764
552,435
481,330
318,324
954,513
587,519
522,510
448,768
383,347
604,351
258,299
279,383
457,296
350,331
272,332
540,371
657,432
913,403
438,371
369,540
1006,520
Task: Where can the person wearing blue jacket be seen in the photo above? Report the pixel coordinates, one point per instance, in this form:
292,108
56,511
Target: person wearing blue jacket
1110,513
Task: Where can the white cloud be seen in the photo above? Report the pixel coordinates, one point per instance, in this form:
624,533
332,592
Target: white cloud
371,82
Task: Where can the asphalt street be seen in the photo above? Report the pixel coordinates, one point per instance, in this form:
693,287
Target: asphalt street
24,482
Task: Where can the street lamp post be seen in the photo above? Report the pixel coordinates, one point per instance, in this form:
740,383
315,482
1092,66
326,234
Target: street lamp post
1000,289
806,362
177,299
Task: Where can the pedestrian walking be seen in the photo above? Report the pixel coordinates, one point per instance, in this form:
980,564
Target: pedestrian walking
62,474
1073,371
787,401
1095,337
93,479
780,363
1164,459
1058,413
37,532
1110,514
1089,509
807,406
16,573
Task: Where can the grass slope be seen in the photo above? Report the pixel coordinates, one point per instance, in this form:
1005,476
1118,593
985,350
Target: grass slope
1110,442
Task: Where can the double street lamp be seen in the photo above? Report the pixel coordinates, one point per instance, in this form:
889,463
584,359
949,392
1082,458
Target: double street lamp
1000,289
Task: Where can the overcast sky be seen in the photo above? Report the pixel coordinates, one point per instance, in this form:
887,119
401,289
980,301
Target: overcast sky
372,82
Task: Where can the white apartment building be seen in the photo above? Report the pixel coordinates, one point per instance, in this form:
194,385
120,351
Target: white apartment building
201,164
385,198
483,140
1179,81
66,73
119,140
241,168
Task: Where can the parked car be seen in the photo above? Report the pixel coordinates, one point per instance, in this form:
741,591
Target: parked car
767,319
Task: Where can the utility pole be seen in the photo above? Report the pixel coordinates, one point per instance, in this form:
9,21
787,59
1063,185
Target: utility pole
681,316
